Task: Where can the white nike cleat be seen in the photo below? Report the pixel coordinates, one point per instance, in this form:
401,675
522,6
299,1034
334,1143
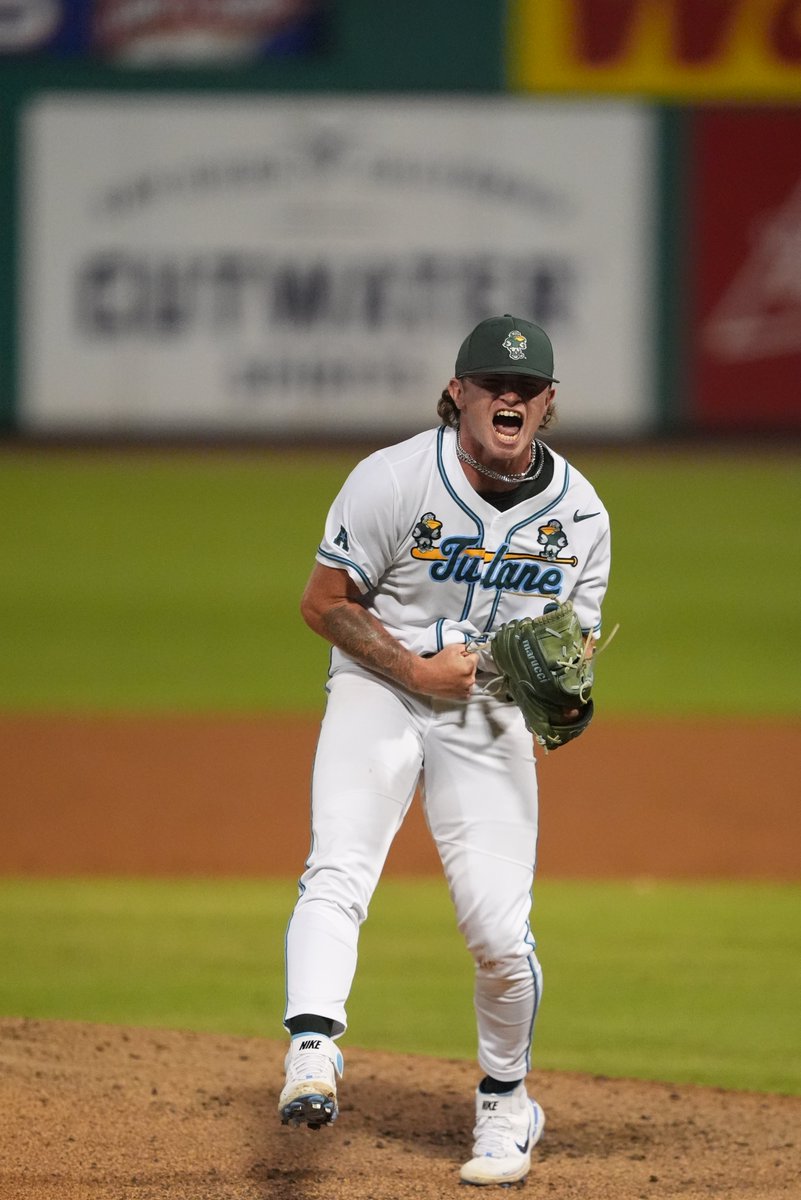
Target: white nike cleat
309,1096
507,1127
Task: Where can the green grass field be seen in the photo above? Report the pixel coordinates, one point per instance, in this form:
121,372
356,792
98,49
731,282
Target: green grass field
154,582
683,983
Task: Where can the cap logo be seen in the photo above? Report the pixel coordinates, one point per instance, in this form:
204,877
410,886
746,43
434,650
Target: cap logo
516,344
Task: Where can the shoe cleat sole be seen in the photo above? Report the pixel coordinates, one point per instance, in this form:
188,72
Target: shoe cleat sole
498,1183
314,1111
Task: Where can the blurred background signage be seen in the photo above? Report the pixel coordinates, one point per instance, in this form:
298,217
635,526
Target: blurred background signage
311,265
672,48
161,31
746,324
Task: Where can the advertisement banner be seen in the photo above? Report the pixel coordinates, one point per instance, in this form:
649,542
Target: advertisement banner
158,32
674,49
746,368
311,265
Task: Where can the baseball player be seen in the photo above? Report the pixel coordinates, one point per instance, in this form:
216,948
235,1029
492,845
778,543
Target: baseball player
430,546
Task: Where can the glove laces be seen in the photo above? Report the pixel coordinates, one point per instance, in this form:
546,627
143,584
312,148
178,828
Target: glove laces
587,651
582,653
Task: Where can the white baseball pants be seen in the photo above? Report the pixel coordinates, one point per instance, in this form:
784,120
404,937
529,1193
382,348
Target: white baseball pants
480,797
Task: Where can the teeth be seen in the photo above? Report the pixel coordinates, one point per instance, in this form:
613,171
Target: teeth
508,412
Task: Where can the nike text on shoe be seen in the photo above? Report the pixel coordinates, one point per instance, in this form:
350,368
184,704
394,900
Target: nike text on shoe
507,1127
309,1096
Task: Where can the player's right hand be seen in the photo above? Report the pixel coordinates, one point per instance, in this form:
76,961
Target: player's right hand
449,674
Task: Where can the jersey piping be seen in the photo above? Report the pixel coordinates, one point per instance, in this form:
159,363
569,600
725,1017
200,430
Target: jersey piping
347,562
520,525
465,508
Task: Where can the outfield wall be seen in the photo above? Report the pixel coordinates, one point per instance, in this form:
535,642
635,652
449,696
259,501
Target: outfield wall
287,233
317,260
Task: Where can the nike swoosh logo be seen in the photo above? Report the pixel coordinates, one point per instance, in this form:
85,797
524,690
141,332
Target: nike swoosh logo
577,516
524,1147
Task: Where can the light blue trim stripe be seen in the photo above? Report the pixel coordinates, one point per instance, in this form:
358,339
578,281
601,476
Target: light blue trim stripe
520,525
542,511
301,890
471,587
536,974
498,595
340,560
534,964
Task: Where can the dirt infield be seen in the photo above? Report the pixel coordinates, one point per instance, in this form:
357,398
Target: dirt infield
105,1113
198,795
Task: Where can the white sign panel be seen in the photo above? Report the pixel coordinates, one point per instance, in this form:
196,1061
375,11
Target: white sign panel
310,265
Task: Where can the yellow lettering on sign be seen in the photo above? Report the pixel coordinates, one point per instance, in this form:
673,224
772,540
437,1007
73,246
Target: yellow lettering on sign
680,49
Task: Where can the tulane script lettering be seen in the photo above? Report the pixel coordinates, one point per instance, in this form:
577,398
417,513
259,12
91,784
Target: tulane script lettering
502,572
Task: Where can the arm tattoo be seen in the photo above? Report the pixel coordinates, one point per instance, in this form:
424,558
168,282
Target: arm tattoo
351,628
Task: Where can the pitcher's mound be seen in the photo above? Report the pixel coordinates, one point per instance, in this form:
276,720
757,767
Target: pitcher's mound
95,1112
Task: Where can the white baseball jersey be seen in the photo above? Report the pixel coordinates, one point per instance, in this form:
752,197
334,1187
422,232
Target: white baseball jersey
436,563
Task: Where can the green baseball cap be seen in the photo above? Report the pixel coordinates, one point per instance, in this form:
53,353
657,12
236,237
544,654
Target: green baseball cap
506,345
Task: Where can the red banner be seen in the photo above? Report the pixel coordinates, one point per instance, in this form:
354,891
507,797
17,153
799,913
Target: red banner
746,212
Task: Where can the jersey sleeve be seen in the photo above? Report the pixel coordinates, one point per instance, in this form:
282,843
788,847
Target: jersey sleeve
588,594
360,530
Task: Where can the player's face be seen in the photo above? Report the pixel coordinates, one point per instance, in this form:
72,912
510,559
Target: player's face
499,416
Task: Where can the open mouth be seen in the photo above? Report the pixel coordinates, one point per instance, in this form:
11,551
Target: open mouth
507,424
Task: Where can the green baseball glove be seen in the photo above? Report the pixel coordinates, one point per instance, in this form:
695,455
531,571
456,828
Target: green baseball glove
544,665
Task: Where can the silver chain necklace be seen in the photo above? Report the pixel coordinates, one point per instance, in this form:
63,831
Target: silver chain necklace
537,452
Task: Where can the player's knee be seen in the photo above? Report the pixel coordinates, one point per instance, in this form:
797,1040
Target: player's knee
334,893
508,967
499,952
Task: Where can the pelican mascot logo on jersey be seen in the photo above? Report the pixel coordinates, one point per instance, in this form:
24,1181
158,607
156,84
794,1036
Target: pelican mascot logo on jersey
427,531
552,539
516,344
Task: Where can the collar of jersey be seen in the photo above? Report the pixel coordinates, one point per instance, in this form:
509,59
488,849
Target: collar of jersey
481,510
